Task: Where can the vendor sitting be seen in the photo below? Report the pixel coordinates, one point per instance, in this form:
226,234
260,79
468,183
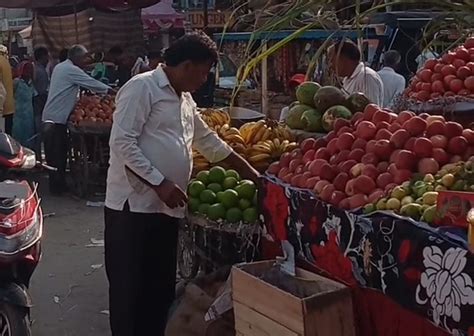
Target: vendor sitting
294,82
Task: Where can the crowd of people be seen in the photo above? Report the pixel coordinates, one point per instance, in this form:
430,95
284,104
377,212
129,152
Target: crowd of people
345,60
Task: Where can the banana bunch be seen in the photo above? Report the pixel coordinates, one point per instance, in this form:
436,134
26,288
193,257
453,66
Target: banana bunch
255,132
263,153
232,137
214,118
199,162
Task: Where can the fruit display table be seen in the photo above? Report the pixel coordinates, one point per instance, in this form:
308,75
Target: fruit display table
423,277
88,156
208,245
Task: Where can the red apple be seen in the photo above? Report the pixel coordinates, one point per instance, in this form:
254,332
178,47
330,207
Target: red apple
415,126
436,127
439,141
364,184
345,141
356,154
366,130
423,147
453,129
285,159
308,156
370,171
440,155
457,145
401,176
346,166
370,158
316,166
357,201
384,179
336,197
340,181
428,166
307,144
399,138
383,149
359,143
405,160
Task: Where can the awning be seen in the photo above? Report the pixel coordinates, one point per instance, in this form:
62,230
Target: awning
26,33
122,5
37,3
161,16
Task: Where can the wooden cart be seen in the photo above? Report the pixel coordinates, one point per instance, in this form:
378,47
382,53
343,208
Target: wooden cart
89,157
206,245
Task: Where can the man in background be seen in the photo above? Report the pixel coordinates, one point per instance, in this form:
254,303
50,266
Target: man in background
41,85
66,80
393,83
345,59
7,101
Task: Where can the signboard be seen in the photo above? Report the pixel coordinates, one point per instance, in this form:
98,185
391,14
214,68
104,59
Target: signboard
215,19
14,24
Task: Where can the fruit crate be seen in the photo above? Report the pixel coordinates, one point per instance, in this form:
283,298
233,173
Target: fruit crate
270,302
208,245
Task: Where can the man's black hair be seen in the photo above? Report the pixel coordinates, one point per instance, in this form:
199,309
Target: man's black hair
196,47
348,49
392,58
41,52
63,54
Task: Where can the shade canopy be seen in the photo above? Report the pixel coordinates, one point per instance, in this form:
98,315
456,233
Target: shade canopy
161,16
116,5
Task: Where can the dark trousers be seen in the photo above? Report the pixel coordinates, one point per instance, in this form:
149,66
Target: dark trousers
39,102
8,124
140,261
56,147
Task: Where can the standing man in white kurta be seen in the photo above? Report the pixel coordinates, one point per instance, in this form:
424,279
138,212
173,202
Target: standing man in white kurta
345,59
155,126
393,83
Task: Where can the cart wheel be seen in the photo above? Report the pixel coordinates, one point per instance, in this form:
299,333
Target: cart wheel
188,260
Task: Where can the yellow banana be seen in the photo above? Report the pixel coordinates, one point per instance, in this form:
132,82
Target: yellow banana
259,157
234,138
259,134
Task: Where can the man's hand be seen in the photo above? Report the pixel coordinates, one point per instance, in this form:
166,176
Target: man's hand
172,195
242,166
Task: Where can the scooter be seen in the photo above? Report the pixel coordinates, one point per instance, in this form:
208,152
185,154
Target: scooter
21,227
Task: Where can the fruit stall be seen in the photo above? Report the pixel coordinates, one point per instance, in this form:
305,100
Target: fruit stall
89,129
445,86
223,224
381,204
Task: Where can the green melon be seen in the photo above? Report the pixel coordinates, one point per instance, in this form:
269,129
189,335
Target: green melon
312,120
294,117
333,113
357,102
328,96
305,92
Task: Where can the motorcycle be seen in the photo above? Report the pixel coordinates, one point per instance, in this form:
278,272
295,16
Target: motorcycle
21,227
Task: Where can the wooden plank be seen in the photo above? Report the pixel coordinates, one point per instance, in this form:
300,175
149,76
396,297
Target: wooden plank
268,300
252,322
335,319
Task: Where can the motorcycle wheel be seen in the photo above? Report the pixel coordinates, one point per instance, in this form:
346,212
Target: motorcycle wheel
14,320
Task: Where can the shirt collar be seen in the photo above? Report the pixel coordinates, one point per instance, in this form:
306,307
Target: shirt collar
389,69
161,77
359,68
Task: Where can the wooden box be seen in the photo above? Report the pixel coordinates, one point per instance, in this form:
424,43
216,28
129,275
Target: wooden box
268,302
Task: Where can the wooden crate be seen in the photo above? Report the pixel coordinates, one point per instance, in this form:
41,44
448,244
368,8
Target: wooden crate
321,308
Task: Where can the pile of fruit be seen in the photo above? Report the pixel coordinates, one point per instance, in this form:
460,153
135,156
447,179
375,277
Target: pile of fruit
452,75
220,194
95,109
417,199
318,107
261,142
214,117
362,159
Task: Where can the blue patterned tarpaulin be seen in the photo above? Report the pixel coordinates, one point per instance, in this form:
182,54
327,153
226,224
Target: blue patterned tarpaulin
427,271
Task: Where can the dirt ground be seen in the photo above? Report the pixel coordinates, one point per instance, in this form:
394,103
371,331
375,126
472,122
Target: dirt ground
69,287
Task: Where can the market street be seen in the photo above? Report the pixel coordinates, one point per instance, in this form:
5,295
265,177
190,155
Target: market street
69,287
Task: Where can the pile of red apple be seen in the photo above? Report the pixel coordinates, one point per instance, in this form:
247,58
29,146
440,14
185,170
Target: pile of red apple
365,157
452,75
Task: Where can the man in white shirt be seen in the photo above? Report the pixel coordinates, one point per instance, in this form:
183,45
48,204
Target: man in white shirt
345,59
393,83
66,80
156,123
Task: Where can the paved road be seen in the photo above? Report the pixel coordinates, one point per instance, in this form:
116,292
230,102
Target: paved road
69,287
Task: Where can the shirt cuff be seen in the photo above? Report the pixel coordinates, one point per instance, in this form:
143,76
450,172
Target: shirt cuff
219,153
155,178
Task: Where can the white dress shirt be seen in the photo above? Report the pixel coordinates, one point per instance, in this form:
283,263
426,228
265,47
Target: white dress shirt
153,133
66,80
393,85
367,81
